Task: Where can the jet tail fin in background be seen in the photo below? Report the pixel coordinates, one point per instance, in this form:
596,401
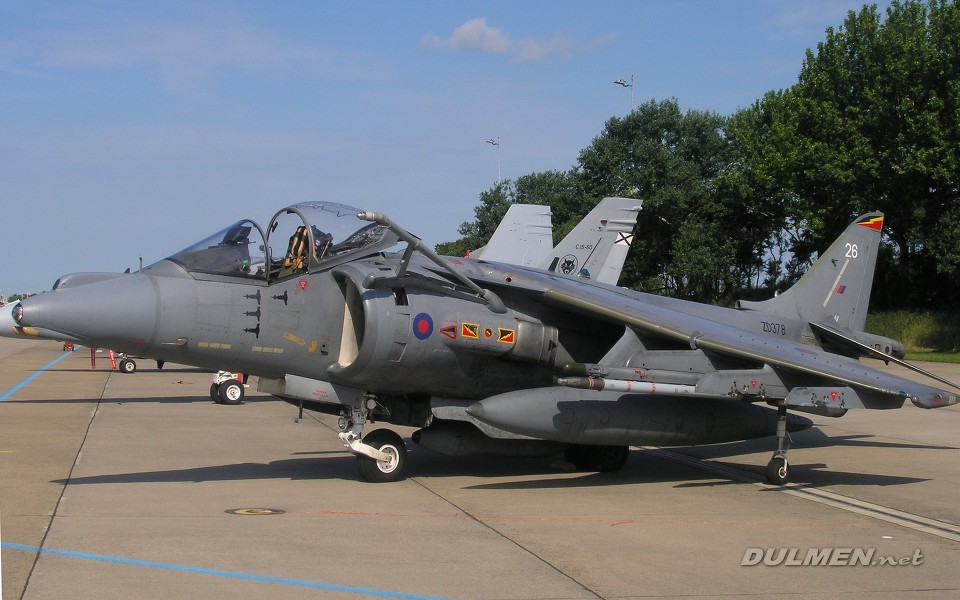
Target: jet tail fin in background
836,289
598,245
524,237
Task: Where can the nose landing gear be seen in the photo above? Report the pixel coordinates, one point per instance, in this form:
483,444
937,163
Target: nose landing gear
381,454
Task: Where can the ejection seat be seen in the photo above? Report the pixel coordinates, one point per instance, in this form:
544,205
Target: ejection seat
296,257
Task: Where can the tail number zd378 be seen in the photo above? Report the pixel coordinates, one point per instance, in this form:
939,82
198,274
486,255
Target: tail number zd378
776,328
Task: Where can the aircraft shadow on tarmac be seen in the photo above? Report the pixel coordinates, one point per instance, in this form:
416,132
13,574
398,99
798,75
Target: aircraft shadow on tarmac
340,465
527,473
647,468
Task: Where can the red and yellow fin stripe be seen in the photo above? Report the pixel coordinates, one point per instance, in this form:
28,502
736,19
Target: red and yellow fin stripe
875,223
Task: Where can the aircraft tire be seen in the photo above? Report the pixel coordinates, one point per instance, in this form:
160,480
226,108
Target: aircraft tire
611,458
376,471
778,471
605,459
231,392
215,393
127,366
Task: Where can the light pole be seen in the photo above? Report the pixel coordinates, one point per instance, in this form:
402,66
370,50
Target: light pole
496,142
624,83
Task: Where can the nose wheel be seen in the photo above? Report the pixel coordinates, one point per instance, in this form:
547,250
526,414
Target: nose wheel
393,448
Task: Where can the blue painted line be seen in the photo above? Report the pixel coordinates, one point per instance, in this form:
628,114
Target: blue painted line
219,573
20,385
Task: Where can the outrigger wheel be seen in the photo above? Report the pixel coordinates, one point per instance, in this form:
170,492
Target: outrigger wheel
778,469
380,471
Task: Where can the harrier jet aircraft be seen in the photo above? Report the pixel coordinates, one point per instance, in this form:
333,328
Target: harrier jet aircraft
485,357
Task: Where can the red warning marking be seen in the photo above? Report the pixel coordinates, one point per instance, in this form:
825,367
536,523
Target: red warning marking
450,331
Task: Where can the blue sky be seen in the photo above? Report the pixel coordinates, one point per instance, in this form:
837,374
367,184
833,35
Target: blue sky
133,129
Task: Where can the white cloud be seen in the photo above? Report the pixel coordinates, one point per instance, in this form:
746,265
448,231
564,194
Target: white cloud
476,36
530,49
473,36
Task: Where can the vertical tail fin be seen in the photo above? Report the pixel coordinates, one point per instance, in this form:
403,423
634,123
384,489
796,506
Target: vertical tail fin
836,289
524,237
597,246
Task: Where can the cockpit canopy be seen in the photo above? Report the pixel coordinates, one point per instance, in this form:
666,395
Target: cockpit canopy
300,238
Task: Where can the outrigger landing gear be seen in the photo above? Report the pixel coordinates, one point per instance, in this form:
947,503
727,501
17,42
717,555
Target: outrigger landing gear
778,469
381,454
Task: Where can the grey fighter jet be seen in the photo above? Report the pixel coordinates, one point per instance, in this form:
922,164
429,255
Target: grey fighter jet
485,357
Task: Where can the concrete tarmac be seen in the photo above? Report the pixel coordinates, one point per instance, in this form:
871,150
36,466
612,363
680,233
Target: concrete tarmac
139,486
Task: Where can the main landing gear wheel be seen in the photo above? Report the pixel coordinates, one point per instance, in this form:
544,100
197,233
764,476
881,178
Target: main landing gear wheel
778,470
215,392
231,392
605,459
127,366
379,471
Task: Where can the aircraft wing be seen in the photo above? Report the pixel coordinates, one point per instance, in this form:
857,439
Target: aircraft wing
657,318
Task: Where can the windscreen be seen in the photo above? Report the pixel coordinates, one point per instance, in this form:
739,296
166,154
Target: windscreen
237,250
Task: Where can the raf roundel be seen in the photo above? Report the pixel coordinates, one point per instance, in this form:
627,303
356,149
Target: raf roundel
422,326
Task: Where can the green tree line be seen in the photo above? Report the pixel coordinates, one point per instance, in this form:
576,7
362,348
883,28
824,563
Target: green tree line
738,206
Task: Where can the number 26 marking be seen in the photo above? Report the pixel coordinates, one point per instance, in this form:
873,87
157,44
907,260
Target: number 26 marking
852,250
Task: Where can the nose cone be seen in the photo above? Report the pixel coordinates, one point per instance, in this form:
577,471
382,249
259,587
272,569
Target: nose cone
118,313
